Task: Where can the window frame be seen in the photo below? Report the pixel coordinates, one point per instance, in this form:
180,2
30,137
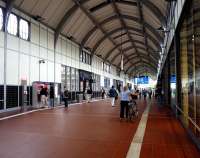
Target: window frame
17,17
3,24
29,28
18,26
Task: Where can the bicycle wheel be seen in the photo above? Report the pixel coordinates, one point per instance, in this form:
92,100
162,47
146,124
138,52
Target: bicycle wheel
131,113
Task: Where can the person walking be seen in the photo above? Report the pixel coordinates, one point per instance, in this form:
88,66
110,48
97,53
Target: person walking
89,94
125,94
51,96
144,93
113,95
150,93
43,94
66,97
103,92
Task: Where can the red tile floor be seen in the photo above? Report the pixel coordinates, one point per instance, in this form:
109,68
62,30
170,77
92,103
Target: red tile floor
91,130
165,137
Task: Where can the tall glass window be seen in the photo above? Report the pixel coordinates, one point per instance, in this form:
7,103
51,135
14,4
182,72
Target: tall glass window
23,29
172,77
1,19
73,79
68,78
190,66
12,24
77,80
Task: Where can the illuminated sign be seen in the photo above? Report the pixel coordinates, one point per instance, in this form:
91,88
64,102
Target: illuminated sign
173,79
141,80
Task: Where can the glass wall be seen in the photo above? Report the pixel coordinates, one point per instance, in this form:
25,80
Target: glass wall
96,85
106,82
70,80
190,66
172,67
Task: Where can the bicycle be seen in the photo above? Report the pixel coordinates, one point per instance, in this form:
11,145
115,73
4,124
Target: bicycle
132,110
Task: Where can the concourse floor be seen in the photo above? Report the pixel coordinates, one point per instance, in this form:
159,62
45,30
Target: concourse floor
89,130
165,137
92,130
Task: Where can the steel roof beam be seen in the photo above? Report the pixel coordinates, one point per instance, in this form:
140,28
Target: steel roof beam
97,25
144,65
143,57
129,48
9,6
151,6
141,70
125,27
114,31
142,23
124,42
63,21
94,21
107,20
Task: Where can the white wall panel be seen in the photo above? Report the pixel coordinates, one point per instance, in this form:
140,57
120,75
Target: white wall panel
63,47
34,69
1,65
68,63
12,67
50,72
73,50
34,50
69,52
58,58
43,53
58,45
50,55
77,64
50,41
43,37
13,42
24,46
35,33
64,59
43,72
1,39
24,67
77,53
58,73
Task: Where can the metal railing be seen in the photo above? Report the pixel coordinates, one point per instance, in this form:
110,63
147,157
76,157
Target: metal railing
188,118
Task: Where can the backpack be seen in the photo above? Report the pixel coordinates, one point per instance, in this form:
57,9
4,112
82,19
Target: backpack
66,94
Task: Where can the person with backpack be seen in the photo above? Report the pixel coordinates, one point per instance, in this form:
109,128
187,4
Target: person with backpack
113,95
66,97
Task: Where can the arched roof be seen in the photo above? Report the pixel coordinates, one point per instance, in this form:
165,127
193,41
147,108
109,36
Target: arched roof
107,26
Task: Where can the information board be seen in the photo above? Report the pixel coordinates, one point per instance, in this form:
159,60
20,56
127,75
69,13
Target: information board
141,80
173,79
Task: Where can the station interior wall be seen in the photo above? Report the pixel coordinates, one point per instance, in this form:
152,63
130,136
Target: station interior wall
22,57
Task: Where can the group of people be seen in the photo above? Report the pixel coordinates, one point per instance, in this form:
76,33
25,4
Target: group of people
146,93
46,94
46,97
126,95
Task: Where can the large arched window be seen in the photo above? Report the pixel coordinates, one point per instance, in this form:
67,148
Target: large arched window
23,29
12,24
1,18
